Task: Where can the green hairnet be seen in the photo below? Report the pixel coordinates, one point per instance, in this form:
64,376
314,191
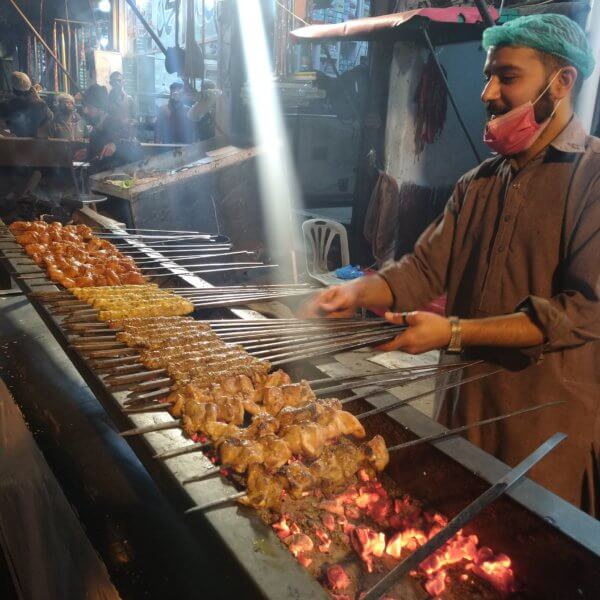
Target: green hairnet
550,33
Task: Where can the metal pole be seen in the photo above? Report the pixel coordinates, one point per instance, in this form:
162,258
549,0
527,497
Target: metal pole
450,94
42,41
140,16
485,13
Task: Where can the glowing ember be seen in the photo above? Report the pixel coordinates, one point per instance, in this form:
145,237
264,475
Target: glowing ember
405,527
436,584
284,529
299,543
410,539
363,475
328,521
337,578
324,539
494,568
305,561
368,544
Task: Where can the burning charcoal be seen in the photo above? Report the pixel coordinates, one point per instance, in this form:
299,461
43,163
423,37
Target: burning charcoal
363,475
368,544
409,539
328,521
337,578
437,584
333,506
494,568
284,529
305,561
366,498
299,543
380,510
324,539
352,512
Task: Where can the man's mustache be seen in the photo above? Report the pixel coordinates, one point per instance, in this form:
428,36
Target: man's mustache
493,110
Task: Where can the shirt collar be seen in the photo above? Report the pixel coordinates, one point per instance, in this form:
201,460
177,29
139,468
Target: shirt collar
572,139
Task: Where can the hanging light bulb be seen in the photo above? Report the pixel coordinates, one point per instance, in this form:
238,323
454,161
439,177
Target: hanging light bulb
104,6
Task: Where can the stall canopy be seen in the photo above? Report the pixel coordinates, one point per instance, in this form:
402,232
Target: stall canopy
444,25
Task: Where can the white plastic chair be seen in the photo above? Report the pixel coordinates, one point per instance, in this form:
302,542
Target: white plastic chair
319,235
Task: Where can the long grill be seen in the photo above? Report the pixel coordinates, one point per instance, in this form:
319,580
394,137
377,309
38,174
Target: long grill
348,539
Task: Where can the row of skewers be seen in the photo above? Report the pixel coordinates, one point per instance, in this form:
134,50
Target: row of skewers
296,437
77,256
72,256
85,304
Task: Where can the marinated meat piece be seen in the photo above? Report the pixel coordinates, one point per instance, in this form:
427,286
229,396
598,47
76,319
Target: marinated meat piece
376,453
293,394
238,453
264,489
300,478
196,417
304,439
340,422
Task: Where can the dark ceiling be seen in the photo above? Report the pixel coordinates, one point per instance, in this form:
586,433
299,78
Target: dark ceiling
50,9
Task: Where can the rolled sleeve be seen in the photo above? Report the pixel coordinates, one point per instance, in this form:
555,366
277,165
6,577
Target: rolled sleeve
572,317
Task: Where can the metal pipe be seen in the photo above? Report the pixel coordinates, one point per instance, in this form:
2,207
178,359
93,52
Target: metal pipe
485,13
146,25
43,42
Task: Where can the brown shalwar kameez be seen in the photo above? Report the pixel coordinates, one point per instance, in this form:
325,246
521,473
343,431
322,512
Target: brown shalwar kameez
528,239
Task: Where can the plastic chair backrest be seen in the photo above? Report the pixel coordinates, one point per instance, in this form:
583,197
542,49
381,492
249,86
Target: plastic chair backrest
319,235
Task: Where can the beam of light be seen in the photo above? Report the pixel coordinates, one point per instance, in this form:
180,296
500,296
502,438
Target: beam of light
277,177
586,103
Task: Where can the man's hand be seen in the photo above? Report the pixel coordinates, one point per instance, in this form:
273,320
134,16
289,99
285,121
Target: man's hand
426,331
108,151
343,300
338,301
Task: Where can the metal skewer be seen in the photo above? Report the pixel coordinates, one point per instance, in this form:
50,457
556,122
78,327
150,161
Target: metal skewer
204,271
146,249
216,503
144,261
401,403
381,587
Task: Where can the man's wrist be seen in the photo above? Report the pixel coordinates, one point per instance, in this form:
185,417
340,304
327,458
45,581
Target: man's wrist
373,290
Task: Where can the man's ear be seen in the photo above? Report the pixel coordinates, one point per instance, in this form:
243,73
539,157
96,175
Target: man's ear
565,82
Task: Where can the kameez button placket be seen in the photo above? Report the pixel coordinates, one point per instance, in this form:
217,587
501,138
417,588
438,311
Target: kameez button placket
499,254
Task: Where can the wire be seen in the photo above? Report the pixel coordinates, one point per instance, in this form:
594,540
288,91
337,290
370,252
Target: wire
292,13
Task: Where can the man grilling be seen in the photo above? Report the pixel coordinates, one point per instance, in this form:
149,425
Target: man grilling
517,253
112,142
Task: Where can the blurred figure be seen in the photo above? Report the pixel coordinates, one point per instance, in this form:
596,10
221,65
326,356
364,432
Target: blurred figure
172,124
201,111
187,117
24,112
112,142
120,104
67,124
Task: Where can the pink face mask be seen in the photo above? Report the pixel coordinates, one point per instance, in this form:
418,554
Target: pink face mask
517,130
